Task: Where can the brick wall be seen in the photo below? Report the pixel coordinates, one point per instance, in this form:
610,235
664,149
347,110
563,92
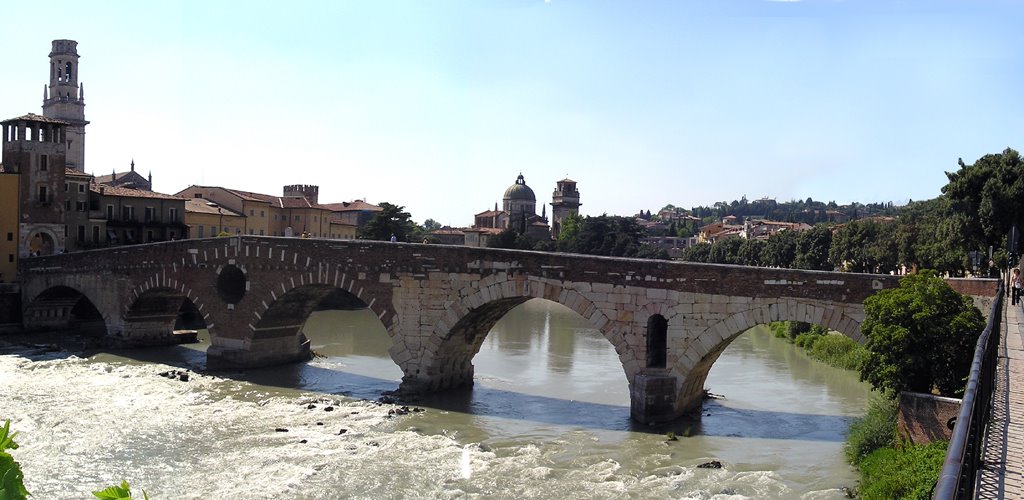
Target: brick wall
923,418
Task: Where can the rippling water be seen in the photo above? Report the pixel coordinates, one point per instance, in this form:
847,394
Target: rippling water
547,418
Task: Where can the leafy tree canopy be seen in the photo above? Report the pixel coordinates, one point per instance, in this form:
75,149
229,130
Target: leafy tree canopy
391,220
920,336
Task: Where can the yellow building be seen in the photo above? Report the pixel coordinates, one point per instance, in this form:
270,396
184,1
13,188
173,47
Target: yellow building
206,219
9,215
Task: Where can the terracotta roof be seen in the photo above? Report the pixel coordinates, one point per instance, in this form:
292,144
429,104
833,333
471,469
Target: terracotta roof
201,206
488,230
70,172
103,179
295,202
130,193
32,117
351,206
490,213
451,231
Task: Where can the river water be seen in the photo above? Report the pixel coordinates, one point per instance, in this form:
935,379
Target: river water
548,417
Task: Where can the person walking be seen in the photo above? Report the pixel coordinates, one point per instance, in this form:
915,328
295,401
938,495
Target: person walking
1015,285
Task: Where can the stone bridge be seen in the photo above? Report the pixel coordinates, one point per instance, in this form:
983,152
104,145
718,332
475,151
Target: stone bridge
668,321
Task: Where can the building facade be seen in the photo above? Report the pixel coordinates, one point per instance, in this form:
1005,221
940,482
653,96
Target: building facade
10,235
34,148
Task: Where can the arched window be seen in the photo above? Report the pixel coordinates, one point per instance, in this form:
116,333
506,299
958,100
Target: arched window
657,341
67,72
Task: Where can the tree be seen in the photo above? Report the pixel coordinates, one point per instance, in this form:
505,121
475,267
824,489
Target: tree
991,194
391,220
698,253
920,336
431,225
865,246
726,250
812,249
780,249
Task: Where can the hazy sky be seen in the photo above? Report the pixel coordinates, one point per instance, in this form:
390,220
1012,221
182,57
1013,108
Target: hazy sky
439,105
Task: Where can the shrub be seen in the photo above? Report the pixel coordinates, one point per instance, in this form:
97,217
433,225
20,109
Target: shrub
909,472
12,484
877,429
838,351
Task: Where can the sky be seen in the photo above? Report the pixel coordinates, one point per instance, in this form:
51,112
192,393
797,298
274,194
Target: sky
438,105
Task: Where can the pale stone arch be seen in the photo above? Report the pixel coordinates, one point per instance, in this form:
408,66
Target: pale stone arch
444,359
692,355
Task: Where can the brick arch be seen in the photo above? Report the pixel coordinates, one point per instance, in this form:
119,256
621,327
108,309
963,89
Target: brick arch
34,309
698,352
161,281
380,306
445,359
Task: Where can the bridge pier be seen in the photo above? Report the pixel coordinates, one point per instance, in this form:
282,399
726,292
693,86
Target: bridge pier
235,354
653,398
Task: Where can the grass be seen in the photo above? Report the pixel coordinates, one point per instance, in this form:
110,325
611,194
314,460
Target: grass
908,472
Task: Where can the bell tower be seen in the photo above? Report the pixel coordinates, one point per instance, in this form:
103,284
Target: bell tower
64,99
565,201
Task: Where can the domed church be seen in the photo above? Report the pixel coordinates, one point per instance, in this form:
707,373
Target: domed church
519,210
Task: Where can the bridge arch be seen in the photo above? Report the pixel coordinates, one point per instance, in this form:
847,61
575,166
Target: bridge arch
697,350
64,308
445,359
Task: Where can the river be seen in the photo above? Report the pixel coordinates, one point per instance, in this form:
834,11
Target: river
548,417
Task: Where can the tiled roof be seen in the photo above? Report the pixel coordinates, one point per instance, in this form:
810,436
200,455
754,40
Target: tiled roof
104,179
130,193
490,213
70,172
201,206
32,117
351,206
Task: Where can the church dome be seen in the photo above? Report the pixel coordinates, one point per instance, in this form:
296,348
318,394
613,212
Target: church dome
520,191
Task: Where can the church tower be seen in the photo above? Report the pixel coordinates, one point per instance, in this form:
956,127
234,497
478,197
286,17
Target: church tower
564,202
64,99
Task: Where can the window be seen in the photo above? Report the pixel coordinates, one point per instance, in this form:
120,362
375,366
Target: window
261,232
296,217
10,236
149,236
10,257
314,218
81,188
262,214
67,205
149,214
199,195
42,194
250,231
95,234
252,212
213,231
127,213
65,187
200,230
110,212
81,234
173,214
44,162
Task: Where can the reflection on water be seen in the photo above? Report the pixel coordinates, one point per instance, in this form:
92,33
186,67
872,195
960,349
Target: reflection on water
548,417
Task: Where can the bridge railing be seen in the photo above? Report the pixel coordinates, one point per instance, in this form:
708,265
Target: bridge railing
963,457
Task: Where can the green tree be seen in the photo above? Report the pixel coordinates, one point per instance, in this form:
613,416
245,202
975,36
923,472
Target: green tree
812,249
698,253
391,220
865,246
780,249
605,235
920,336
751,252
726,250
991,194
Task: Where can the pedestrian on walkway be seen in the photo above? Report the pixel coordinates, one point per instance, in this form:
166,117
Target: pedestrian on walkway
1015,284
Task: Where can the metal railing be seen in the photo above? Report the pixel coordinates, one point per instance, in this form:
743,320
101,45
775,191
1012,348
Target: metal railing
963,457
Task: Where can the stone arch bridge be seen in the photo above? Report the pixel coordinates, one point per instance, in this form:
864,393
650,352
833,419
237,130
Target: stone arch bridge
668,321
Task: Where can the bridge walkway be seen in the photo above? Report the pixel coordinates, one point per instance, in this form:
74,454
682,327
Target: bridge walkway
1003,474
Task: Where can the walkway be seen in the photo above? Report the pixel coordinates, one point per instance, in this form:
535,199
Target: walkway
1003,477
